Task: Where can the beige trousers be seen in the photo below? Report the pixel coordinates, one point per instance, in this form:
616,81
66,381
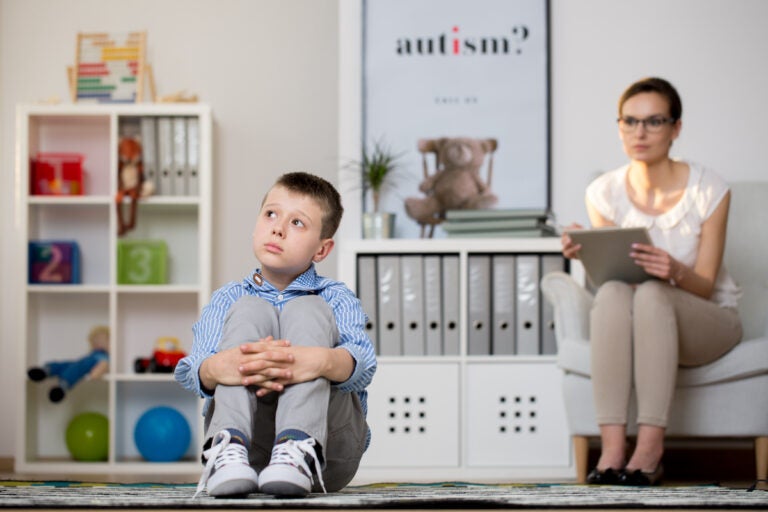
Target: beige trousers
640,335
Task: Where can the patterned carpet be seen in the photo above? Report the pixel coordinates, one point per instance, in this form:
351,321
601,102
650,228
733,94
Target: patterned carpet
444,495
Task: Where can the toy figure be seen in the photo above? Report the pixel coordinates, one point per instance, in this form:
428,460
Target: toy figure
456,183
70,372
131,182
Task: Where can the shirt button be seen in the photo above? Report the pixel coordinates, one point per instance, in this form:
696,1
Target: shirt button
280,297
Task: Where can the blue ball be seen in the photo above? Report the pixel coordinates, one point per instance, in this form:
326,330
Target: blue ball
162,434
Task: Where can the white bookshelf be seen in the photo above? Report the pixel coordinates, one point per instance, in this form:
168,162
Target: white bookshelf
490,418
54,320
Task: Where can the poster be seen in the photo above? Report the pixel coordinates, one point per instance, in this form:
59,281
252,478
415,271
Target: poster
459,68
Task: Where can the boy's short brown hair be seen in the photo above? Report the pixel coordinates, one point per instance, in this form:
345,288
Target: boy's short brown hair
322,192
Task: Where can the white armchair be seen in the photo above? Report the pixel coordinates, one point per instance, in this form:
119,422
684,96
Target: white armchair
726,398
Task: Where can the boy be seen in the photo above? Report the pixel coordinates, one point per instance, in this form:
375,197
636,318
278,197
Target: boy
283,359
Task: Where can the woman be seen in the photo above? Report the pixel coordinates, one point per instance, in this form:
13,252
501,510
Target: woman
640,334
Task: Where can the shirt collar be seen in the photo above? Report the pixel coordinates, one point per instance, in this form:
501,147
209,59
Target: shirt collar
306,281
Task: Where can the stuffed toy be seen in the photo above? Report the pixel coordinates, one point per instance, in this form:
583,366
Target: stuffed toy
456,183
131,183
91,366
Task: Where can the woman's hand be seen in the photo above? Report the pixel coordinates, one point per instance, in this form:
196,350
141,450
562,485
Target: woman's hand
570,248
657,262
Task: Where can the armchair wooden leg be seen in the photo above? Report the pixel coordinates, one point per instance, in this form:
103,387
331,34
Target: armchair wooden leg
581,456
761,457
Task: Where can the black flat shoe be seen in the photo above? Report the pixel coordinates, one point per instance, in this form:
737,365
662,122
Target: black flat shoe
609,476
641,478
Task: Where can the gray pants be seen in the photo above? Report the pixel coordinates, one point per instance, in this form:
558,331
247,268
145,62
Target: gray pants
335,419
640,335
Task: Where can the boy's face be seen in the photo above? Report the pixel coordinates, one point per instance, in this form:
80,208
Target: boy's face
286,238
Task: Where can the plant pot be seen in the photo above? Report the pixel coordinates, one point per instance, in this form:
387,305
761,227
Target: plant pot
378,225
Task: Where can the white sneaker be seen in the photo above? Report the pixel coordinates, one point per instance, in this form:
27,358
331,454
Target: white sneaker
288,473
227,470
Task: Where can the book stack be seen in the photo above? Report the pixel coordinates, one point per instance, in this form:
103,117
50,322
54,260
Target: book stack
502,223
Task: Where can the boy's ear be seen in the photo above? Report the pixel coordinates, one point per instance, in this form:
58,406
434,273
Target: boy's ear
324,250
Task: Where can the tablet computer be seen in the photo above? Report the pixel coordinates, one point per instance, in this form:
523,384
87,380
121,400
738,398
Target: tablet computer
605,254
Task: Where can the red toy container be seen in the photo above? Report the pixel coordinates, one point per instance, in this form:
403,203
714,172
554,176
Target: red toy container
57,174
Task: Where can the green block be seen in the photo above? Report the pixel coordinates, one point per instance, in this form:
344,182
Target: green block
142,262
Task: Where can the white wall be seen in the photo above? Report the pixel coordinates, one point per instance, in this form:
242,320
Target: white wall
269,69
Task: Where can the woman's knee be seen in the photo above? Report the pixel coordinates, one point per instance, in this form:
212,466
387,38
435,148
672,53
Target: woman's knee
653,292
613,292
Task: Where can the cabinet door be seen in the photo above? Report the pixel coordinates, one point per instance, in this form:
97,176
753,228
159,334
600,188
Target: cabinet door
515,415
413,412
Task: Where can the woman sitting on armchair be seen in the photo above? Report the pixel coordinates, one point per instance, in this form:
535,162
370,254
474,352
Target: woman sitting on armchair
640,334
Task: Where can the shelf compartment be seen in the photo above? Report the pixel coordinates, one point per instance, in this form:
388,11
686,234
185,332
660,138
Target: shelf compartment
420,421
135,398
144,318
177,225
58,324
87,224
515,416
46,422
88,135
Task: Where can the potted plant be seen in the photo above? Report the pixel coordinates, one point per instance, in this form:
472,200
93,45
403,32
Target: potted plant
377,170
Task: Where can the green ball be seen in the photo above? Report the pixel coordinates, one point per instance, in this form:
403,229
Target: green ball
88,437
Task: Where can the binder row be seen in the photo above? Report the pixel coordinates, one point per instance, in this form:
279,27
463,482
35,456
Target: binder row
171,153
413,304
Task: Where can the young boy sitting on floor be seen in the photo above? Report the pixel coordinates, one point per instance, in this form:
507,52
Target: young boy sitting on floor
283,359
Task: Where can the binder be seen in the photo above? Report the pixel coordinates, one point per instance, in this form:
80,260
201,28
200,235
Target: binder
179,156
412,287
193,156
149,150
451,316
165,156
388,271
478,304
527,297
503,304
549,263
433,305
366,292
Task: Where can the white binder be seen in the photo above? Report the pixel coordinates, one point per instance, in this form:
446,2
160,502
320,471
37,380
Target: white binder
412,286
433,305
165,156
503,304
179,156
528,299
451,312
388,269
549,263
149,150
366,292
193,156
478,304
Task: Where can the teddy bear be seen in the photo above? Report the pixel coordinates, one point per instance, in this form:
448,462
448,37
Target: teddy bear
131,183
456,183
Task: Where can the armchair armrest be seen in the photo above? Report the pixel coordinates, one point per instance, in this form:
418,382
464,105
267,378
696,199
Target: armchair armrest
571,304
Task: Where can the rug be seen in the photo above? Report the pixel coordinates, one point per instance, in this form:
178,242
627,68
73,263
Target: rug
443,495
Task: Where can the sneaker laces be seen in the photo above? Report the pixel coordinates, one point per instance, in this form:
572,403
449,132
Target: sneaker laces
294,453
220,453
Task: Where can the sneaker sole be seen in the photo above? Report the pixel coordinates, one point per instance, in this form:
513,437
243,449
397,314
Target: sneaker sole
232,487
284,490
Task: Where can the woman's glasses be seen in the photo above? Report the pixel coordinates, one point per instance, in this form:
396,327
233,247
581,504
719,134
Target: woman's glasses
651,124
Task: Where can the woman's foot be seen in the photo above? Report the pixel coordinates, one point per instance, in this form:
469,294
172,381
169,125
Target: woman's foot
639,477
607,476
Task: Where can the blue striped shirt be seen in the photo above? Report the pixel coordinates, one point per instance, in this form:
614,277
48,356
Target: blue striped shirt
350,321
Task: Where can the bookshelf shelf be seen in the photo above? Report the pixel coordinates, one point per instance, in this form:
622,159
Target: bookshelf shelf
56,318
451,416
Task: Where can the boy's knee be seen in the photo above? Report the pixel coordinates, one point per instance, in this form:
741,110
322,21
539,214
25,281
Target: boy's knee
249,319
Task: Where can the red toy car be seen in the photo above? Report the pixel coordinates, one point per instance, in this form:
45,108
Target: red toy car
164,359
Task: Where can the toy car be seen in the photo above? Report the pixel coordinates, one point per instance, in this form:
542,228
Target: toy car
164,359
